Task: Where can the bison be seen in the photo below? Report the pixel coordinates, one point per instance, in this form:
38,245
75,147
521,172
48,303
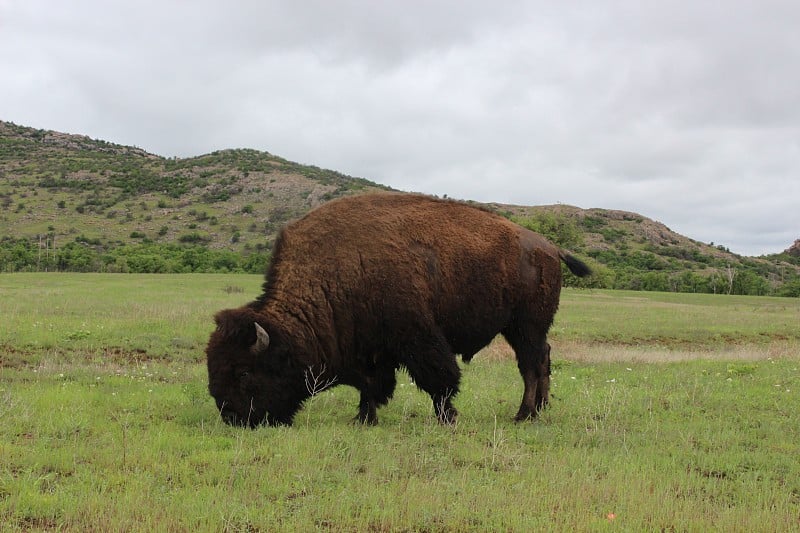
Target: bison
365,285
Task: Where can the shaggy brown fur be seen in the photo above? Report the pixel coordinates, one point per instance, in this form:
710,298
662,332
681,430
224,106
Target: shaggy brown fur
364,285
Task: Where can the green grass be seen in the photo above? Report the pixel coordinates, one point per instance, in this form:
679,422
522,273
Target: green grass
675,320
107,424
155,316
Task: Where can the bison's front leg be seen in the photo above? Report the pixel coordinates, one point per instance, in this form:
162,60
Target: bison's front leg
367,410
376,390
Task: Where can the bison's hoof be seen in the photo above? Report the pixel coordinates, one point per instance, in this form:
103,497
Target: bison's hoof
525,414
448,416
365,420
366,417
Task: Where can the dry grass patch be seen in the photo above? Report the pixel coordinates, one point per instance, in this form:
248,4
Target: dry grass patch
583,352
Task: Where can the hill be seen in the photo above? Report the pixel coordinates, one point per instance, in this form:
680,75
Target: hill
74,203
630,251
57,189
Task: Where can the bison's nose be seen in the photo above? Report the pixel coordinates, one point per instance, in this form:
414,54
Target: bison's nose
232,419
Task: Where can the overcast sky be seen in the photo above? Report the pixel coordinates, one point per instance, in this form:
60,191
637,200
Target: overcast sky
685,111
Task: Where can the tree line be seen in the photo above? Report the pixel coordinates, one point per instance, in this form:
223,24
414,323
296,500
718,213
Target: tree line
645,270
663,269
86,255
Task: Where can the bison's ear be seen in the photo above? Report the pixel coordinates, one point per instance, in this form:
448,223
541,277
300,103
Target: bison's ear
262,339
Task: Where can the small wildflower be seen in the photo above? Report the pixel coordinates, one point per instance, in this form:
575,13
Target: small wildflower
611,516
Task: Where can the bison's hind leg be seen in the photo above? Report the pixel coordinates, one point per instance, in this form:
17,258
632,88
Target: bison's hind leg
533,360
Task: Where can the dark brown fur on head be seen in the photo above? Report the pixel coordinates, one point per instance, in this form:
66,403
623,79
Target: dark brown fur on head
251,386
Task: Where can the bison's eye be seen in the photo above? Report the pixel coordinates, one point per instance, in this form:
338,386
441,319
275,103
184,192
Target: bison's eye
243,374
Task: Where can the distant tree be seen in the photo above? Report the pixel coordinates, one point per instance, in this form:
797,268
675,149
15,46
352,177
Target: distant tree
76,257
562,230
730,276
750,283
790,289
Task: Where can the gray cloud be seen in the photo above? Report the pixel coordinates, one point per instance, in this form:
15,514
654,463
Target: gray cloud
682,111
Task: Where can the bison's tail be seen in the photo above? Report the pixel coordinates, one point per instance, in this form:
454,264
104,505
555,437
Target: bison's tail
575,265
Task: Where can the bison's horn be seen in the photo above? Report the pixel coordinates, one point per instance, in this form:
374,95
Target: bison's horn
262,339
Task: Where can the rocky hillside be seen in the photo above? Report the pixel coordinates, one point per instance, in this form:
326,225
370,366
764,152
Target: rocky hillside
75,203
71,187
635,252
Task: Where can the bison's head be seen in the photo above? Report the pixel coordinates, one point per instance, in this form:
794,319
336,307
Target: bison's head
249,374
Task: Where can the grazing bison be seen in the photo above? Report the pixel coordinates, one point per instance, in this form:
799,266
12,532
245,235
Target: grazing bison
365,285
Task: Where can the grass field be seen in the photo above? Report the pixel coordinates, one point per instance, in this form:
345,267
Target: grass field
671,412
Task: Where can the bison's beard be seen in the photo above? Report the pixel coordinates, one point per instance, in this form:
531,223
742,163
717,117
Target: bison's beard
251,417
280,412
